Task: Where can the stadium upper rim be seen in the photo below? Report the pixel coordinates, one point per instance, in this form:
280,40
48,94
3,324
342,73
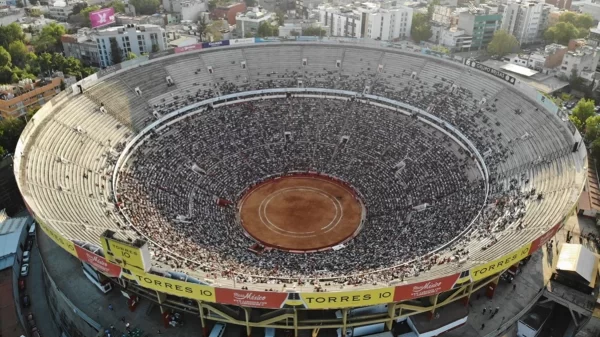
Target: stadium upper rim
547,213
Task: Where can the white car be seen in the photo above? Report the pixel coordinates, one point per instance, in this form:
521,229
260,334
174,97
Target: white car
26,256
25,270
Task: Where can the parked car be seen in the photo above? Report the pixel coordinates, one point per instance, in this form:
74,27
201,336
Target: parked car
25,301
26,256
25,269
22,284
29,244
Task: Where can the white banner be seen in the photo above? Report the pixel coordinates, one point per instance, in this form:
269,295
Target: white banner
241,41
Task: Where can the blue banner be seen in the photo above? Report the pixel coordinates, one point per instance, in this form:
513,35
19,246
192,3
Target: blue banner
215,44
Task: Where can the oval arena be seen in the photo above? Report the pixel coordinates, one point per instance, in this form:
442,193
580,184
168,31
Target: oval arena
307,177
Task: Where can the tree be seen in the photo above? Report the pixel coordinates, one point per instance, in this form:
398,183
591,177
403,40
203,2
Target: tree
592,128
314,31
280,18
502,43
431,8
5,59
117,5
202,25
266,29
145,7
45,63
561,33
155,48
441,49
10,131
49,38
6,74
584,21
115,51
84,15
18,52
584,110
131,56
421,27
595,149
78,7
10,33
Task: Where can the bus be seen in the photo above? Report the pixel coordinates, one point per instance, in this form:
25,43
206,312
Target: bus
98,280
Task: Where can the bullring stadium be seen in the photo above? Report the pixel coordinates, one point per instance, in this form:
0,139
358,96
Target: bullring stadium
256,184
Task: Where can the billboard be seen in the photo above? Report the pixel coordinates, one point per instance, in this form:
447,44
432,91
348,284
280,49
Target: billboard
542,240
495,72
425,288
249,40
98,262
248,298
174,287
191,47
215,44
102,17
123,254
67,245
500,264
346,299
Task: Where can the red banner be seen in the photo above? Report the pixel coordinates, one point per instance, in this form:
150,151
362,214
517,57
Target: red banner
98,262
247,298
196,46
542,240
426,288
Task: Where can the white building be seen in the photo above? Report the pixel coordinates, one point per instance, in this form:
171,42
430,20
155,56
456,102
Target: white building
455,39
60,10
185,9
583,62
248,23
526,20
367,20
94,46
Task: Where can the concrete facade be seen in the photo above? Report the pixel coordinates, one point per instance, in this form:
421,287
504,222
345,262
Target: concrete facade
480,26
16,99
526,20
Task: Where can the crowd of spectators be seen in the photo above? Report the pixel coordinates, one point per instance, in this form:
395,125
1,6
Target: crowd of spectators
420,188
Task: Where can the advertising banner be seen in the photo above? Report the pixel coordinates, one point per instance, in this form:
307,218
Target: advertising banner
500,264
255,299
260,39
215,44
425,288
98,262
495,72
122,254
102,17
346,299
249,40
161,53
174,287
542,240
191,47
66,244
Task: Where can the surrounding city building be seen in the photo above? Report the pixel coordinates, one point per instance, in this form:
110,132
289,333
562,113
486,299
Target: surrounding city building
480,24
591,8
185,10
16,99
367,20
60,10
248,23
304,7
228,12
526,20
276,5
594,37
156,19
581,62
93,47
454,39
562,4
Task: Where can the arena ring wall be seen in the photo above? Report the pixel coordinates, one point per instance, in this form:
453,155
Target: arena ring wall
74,216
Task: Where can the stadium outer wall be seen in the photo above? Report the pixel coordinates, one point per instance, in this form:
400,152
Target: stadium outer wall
450,290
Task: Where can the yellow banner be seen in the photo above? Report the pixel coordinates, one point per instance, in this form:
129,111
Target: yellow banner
346,299
174,287
500,264
66,244
122,254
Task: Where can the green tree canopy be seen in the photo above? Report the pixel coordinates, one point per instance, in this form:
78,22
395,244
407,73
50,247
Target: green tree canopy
431,8
421,27
131,56
5,59
266,29
49,38
10,131
561,32
502,43
18,52
584,110
592,128
115,51
314,31
595,148
118,5
145,7
10,33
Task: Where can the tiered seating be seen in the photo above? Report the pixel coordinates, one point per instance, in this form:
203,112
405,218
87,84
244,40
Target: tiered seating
68,168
